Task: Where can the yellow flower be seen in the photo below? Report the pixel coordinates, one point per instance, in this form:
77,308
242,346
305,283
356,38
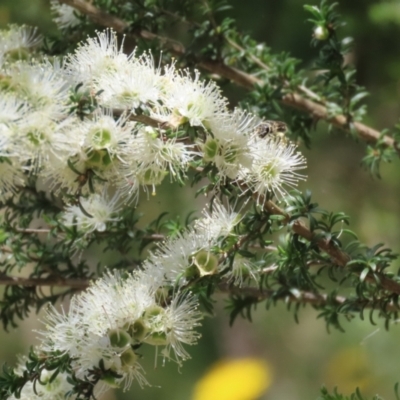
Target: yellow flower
235,379
349,369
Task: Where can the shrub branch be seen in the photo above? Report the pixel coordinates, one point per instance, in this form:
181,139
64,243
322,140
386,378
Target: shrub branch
294,100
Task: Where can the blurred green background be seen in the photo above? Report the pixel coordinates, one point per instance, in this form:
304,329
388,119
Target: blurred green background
301,356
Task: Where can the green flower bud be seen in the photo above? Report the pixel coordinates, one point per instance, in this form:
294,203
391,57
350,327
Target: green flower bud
210,149
321,32
157,339
153,317
119,338
206,262
138,330
129,358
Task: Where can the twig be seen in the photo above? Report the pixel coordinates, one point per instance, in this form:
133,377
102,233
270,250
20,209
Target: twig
50,281
241,78
302,297
269,270
318,111
339,256
155,237
32,230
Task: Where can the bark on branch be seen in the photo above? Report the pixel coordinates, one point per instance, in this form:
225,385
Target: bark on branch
303,297
51,281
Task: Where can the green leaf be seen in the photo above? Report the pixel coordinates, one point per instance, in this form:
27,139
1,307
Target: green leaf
364,274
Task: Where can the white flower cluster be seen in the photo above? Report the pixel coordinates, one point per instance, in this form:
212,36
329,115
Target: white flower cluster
199,251
86,151
107,325
90,152
113,319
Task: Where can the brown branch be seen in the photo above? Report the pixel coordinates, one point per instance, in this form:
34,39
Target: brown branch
241,78
325,245
318,111
51,281
32,230
303,297
96,15
339,256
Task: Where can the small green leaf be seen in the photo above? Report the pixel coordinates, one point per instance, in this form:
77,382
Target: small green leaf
364,274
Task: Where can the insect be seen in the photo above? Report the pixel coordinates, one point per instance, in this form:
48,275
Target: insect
272,128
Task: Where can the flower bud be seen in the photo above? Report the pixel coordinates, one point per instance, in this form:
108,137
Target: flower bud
321,32
157,339
206,262
128,358
210,149
119,338
139,330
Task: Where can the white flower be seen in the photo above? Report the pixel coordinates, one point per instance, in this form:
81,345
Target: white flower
194,253
12,109
64,16
151,157
97,147
112,302
33,110
93,331
43,86
36,137
228,154
241,269
11,168
150,149
64,331
128,88
219,223
275,166
229,145
93,213
59,175
190,100
17,39
96,57
175,256
105,138
232,124
177,326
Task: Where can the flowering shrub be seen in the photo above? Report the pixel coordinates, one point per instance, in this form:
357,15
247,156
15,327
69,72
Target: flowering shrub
88,135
